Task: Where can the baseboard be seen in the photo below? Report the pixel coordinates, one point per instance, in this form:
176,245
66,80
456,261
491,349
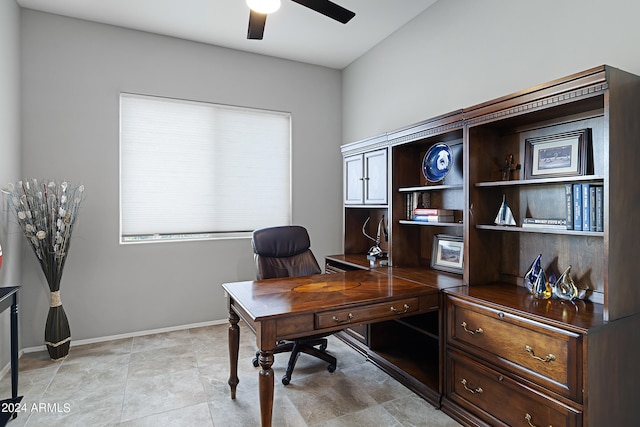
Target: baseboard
7,367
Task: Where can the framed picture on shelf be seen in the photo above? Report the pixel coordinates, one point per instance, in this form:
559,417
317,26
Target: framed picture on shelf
447,253
564,154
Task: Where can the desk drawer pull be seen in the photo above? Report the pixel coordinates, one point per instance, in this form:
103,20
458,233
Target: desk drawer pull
470,390
550,357
395,310
347,320
528,417
477,331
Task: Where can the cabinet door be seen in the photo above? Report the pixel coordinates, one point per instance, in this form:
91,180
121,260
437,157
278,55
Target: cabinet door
375,177
353,180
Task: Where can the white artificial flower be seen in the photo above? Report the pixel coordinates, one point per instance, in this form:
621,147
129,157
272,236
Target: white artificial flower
41,235
21,215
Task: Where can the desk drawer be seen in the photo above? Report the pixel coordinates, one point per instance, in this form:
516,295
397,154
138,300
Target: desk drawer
543,354
369,313
492,396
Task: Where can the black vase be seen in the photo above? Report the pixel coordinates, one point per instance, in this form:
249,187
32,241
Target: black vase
57,334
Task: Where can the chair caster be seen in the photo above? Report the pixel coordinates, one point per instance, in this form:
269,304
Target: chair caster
286,380
331,368
255,362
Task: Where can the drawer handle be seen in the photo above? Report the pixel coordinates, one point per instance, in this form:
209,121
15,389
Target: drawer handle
477,331
528,417
550,357
347,320
470,390
395,310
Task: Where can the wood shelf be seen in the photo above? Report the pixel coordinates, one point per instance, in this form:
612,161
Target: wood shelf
430,188
558,180
514,229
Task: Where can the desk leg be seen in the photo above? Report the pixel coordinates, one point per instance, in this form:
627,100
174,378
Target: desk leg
265,382
234,346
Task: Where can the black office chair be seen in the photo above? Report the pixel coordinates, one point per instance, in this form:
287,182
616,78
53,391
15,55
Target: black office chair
285,252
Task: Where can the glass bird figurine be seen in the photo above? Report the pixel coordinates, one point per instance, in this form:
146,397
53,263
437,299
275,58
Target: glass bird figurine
532,274
565,288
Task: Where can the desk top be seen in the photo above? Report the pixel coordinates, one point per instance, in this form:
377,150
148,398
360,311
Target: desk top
263,299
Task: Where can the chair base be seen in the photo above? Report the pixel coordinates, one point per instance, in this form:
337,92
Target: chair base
296,347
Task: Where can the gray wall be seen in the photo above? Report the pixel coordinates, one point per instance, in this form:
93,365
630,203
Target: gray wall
9,153
459,53
72,73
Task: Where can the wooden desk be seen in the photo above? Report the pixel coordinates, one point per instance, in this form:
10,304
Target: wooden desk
279,309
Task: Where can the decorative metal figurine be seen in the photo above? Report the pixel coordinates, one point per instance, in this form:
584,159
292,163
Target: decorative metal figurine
375,251
509,166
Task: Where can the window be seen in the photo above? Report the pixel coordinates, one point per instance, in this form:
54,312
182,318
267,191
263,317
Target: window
193,170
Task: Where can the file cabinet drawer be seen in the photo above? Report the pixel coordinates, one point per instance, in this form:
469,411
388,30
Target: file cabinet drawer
499,399
543,354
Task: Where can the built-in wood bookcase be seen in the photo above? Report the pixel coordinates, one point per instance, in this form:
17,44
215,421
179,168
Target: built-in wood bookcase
412,240
598,100
577,358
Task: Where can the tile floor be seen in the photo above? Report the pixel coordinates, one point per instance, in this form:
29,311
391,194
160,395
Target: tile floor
180,379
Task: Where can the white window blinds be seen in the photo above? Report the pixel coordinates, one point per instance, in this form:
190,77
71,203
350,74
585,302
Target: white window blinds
194,169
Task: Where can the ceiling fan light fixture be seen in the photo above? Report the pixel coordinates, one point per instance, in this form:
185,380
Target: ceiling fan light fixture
264,6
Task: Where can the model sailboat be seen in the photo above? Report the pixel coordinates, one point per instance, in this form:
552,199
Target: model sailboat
504,217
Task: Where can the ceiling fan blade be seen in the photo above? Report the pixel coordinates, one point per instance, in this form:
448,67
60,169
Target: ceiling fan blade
329,9
256,25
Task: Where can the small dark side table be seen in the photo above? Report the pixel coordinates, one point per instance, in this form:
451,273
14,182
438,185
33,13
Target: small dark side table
9,298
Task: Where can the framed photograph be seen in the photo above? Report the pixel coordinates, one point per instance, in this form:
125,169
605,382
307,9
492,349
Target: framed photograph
448,253
557,155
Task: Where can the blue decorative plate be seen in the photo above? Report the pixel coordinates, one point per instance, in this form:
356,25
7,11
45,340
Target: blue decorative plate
436,163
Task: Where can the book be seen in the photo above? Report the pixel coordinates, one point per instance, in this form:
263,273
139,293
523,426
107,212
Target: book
432,211
568,189
599,208
586,207
577,207
592,207
556,223
433,218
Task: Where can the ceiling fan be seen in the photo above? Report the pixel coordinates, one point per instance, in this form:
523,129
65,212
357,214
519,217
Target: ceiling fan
260,8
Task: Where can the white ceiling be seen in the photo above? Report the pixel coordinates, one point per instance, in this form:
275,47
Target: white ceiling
294,32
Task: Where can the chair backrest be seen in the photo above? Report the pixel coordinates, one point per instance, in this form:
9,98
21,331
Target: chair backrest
283,252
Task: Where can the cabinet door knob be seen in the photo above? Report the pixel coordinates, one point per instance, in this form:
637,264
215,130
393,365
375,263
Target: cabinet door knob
477,331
